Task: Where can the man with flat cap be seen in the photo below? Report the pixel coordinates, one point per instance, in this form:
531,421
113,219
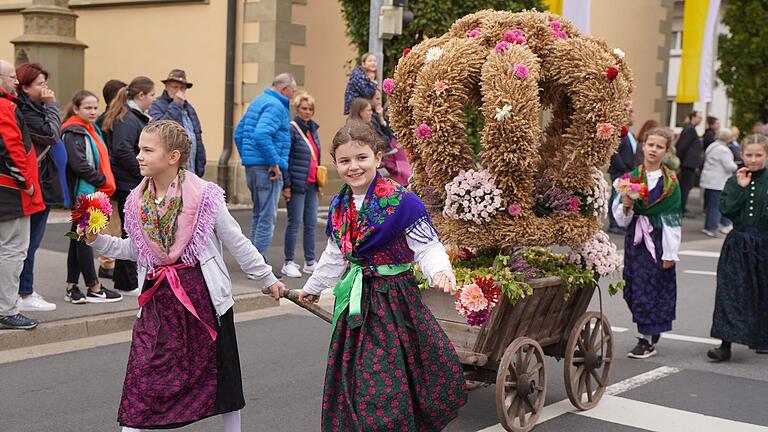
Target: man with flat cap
173,105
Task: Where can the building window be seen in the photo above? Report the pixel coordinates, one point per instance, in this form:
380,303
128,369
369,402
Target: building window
682,112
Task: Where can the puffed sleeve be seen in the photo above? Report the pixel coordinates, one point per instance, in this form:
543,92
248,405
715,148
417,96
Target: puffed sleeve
329,270
670,242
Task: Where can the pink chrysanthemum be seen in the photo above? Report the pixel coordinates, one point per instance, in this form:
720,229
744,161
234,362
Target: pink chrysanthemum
388,85
520,70
424,131
472,298
502,46
515,209
475,32
605,130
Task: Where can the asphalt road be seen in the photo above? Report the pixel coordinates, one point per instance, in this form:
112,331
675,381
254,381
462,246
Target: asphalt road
283,359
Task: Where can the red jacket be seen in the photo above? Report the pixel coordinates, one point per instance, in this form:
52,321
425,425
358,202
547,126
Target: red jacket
18,163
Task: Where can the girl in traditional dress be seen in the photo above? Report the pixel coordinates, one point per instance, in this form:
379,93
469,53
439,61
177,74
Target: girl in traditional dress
651,244
390,366
183,365
741,302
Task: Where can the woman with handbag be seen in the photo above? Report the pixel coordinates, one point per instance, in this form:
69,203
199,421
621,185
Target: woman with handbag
303,183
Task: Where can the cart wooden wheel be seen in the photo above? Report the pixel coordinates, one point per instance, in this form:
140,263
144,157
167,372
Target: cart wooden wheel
588,360
521,385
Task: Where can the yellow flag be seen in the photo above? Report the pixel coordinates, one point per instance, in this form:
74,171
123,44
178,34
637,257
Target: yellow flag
697,62
554,6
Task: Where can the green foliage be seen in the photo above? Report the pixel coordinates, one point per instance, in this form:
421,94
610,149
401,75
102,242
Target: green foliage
743,56
574,276
431,18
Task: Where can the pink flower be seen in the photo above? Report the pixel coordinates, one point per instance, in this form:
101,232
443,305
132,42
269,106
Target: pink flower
515,37
628,105
440,87
472,298
515,209
556,25
574,204
475,32
604,130
384,189
424,131
388,85
559,34
521,71
502,46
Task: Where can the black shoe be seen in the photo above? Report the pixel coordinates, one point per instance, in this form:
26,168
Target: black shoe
719,354
762,350
106,273
642,350
74,295
279,276
17,322
103,296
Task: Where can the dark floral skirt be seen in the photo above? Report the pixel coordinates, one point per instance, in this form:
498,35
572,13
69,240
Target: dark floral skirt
741,302
176,373
392,368
650,291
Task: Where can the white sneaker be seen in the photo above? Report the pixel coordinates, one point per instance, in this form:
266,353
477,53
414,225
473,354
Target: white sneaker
725,229
35,302
291,269
709,233
132,293
309,268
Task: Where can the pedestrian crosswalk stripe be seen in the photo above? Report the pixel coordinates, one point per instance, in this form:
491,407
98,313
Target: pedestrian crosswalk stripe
698,253
700,272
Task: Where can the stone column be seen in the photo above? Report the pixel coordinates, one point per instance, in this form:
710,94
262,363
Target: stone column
49,38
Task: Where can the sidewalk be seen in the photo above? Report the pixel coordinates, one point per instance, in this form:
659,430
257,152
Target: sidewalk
70,321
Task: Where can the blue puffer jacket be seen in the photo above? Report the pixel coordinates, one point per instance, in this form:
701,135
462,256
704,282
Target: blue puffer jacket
298,162
262,136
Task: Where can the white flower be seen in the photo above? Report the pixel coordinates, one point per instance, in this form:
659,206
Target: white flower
618,53
503,113
434,53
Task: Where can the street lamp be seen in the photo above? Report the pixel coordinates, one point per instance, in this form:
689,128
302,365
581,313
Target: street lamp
387,18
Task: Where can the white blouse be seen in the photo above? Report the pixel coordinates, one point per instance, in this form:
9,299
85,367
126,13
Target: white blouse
431,258
671,237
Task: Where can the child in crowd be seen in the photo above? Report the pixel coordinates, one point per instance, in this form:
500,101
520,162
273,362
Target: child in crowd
88,170
184,364
653,238
390,364
741,302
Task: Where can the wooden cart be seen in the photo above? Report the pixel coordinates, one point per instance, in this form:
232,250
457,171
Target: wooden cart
509,349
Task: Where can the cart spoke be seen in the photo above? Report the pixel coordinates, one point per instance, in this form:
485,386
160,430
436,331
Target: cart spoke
597,378
539,388
577,375
607,359
513,410
577,360
582,383
508,399
606,342
521,413
580,343
528,356
589,386
535,368
595,331
532,406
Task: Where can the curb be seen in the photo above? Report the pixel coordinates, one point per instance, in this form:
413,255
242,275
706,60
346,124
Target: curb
98,325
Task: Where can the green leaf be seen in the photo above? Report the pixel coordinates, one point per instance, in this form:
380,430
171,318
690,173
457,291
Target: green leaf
73,235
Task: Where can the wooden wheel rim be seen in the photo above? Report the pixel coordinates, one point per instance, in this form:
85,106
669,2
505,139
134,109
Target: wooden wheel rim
521,370
587,372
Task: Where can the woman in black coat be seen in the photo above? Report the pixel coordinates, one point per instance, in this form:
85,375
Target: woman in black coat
123,123
41,114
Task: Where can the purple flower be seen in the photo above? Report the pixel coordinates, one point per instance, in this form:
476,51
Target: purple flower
424,131
388,85
478,318
475,32
521,71
502,46
514,209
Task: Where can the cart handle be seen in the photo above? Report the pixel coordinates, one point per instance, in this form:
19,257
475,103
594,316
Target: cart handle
293,295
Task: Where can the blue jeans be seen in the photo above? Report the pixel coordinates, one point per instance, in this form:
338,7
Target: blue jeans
265,192
712,208
302,206
37,224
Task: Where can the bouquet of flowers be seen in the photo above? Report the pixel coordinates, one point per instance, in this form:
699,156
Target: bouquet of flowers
632,187
595,203
475,301
90,214
472,196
